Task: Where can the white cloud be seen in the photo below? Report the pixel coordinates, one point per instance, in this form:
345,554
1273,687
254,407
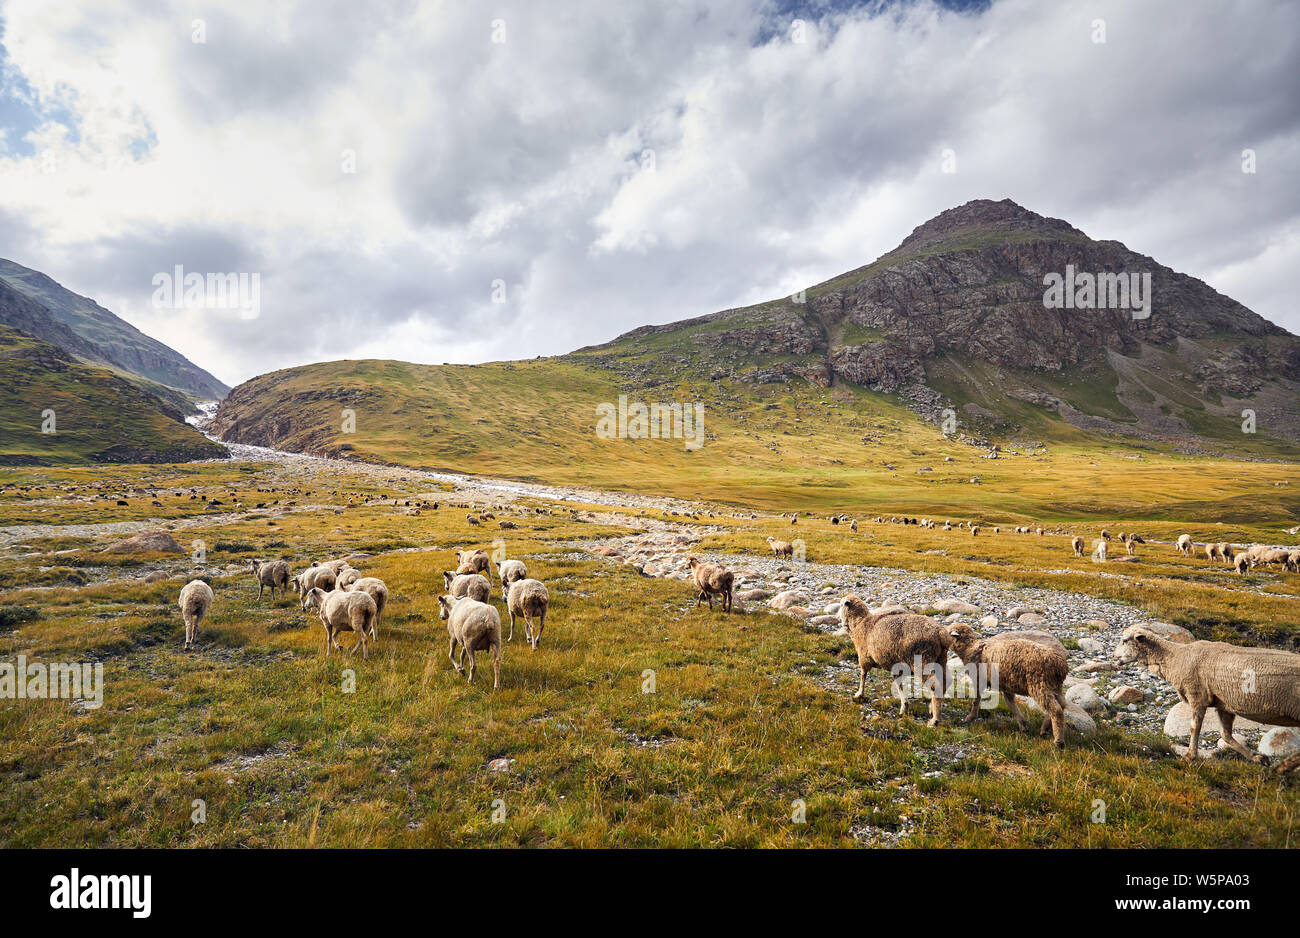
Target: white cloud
775,163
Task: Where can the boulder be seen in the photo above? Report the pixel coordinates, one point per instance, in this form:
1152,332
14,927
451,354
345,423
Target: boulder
1090,646
1125,694
1279,742
1085,698
1174,633
989,622
754,594
1031,619
956,605
787,598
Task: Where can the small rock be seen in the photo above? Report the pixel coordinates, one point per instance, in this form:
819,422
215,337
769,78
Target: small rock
1085,698
1091,667
1031,618
989,622
1125,694
788,598
1279,742
956,605
1174,633
1090,646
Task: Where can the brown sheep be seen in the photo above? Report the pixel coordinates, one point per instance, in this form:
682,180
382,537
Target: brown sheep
781,548
195,601
1077,544
272,573
1260,684
474,561
711,578
1018,666
474,626
894,641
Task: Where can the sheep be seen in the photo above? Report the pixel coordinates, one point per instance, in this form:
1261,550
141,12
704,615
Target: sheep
528,598
474,626
272,573
320,577
974,530
1130,545
377,590
711,578
1260,684
510,571
342,611
1022,667
1227,553
1105,535
347,578
1077,544
1185,544
473,585
888,639
195,601
471,519
1241,563
1212,552
477,561
781,548
1293,560
335,566
1099,550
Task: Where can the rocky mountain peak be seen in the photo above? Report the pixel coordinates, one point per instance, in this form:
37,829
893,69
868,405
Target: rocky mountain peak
988,216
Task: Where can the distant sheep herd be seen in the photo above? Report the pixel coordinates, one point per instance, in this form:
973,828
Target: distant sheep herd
1205,674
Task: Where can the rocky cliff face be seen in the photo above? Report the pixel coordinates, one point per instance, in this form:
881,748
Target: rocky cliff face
960,305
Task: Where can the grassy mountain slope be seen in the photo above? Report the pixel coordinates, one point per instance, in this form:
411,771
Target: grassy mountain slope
99,416
111,341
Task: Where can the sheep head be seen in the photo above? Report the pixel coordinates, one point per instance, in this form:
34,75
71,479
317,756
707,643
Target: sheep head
1138,644
314,598
963,638
446,604
447,577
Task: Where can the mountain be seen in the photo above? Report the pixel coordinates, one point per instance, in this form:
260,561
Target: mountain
33,303
861,372
98,414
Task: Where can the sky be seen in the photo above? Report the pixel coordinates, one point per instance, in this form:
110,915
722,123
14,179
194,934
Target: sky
463,182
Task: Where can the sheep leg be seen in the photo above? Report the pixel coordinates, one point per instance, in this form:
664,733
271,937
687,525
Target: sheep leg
1015,710
512,626
935,703
541,624
329,639
469,653
1226,720
897,687
862,684
1194,748
496,665
260,587
451,648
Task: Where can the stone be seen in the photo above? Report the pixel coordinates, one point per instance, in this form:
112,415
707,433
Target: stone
825,620
1090,646
1279,742
1091,667
1125,694
156,576
1031,619
1174,633
831,609
788,598
956,605
989,622
754,594
1085,698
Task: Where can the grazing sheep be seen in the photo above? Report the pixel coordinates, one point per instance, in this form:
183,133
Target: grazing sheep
1105,535
335,566
474,626
341,611
471,519
853,525
781,548
510,571
347,578
272,573
474,561
1099,550
528,598
711,578
195,601
1293,560
473,585
1212,552
377,590
888,639
974,530
507,525
1077,544
1185,544
1023,667
1242,563
1260,684
321,578
1130,545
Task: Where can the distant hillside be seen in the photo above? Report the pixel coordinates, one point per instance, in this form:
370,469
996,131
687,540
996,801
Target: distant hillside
99,416
841,399
87,330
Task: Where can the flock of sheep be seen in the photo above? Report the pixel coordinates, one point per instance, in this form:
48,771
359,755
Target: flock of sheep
347,601
1259,684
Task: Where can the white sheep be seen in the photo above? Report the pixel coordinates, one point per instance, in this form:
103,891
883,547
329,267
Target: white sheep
473,585
315,577
377,590
510,571
474,626
341,611
528,598
195,601
1185,544
272,573
347,578
1099,550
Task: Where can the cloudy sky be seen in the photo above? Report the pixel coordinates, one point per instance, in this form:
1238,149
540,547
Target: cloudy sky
383,165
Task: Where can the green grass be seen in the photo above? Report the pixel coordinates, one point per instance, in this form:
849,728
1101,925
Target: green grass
750,713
